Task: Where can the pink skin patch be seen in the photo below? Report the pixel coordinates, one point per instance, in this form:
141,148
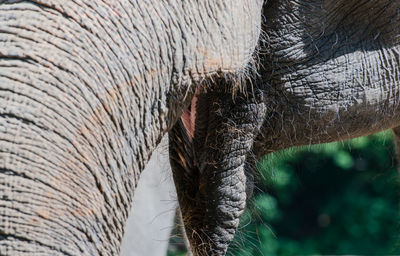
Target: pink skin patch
189,118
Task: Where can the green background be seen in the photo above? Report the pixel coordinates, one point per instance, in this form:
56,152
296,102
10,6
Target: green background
337,198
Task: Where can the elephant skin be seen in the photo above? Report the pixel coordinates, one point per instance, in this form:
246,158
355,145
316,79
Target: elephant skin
329,70
87,91
331,73
208,159
151,219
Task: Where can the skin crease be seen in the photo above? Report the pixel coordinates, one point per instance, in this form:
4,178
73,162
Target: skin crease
329,71
87,90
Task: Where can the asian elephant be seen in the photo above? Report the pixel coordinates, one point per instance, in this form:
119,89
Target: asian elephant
329,70
331,73
87,91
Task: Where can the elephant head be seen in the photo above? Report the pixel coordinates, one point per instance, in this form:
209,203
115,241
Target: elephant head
329,71
87,90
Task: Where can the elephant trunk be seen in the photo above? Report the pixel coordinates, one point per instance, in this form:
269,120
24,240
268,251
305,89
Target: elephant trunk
209,168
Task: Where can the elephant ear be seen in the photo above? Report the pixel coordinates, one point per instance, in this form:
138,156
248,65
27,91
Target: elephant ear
208,150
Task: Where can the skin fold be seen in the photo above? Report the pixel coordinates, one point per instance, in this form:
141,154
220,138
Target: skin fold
329,71
87,91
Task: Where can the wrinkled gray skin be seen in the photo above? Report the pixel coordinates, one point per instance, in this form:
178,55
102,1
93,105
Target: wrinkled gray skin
87,90
329,71
209,168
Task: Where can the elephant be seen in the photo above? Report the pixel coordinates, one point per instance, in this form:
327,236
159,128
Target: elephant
336,78
328,71
208,149
87,91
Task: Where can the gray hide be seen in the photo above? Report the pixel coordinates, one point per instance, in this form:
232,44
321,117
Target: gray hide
88,88
330,71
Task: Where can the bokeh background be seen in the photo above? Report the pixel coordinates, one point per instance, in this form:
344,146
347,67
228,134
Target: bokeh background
339,198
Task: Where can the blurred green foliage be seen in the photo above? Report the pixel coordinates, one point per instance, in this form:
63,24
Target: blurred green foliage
338,198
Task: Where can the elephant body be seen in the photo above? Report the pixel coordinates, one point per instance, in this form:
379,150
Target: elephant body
87,91
89,88
331,73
